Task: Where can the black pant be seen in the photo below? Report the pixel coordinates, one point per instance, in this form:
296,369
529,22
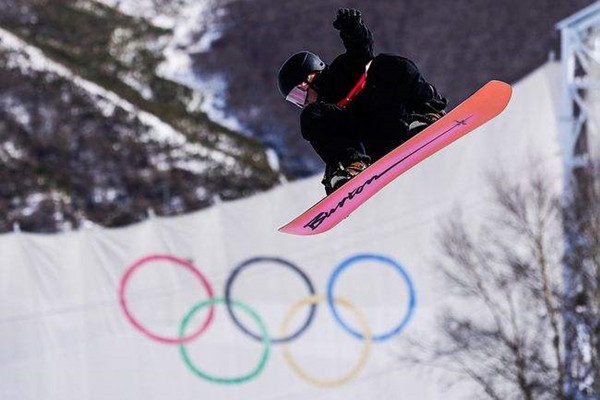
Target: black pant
340,135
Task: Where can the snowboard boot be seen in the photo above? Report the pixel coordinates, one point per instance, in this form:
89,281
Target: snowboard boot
418,122
427,113
337,175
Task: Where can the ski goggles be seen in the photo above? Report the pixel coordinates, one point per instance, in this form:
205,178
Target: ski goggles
298,95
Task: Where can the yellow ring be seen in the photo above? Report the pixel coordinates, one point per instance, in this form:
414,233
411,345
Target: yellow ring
365,330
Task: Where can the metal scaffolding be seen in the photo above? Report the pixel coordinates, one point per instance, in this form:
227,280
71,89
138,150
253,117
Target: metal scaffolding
580,134
580,54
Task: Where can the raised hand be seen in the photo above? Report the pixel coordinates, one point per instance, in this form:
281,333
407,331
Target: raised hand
347,18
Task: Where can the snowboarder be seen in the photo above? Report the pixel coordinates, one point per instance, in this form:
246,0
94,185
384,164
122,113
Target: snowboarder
360,107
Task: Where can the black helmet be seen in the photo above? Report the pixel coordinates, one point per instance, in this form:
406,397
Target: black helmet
295,70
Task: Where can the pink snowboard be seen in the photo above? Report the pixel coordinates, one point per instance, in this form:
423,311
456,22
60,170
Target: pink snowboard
482,106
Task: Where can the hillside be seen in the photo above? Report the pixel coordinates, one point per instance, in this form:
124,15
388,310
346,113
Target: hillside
111,107
91,132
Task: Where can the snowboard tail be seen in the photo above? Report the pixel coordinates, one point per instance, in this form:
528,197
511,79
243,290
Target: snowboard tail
481,107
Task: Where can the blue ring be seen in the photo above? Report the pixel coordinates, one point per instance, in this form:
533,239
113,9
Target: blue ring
285,263
386,260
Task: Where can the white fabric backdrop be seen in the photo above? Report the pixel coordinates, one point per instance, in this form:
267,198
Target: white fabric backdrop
64,336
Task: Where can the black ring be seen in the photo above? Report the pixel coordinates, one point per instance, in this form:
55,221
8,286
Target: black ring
228,301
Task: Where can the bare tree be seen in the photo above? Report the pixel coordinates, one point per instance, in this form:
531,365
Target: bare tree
505,330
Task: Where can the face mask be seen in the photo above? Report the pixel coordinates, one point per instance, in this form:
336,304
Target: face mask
298,96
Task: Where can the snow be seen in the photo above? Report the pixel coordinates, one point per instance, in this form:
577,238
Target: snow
160,15
121,37
196,26
12,150
136,83
34,200
8,151
212,102
26,58
124,48
101,194
16,110
273,159
32,203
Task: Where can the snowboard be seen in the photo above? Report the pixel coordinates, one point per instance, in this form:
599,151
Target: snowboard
479,108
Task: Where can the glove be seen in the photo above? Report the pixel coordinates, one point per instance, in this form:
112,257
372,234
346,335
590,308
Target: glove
428,118
347,18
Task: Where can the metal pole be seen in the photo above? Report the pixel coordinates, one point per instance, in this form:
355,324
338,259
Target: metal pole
579,79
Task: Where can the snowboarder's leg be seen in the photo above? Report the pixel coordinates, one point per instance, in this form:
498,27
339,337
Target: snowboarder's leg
352,162
334,134
385,135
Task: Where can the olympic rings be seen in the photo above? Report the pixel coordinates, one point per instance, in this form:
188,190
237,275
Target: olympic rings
362,361
265,339
313,299
362,257
179,261
246,264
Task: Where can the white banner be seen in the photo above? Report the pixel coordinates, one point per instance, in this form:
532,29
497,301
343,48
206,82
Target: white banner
98,313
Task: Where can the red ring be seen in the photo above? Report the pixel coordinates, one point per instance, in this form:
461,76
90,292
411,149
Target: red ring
137,325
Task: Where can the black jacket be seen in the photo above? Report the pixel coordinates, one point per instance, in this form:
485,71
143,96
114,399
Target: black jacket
378,117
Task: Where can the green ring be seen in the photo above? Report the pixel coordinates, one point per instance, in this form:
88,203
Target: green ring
215,379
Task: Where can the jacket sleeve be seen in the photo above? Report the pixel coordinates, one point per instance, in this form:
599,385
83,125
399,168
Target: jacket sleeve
424,97
427,100
357,38
319,119
325,126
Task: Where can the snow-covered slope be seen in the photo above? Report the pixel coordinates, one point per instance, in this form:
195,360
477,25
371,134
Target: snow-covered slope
195,26
88,120
26,59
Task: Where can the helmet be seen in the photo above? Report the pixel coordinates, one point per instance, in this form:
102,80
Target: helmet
295,70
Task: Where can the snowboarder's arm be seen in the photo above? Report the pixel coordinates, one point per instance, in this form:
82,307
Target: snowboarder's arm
319,118
357,38
424,98
428,101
